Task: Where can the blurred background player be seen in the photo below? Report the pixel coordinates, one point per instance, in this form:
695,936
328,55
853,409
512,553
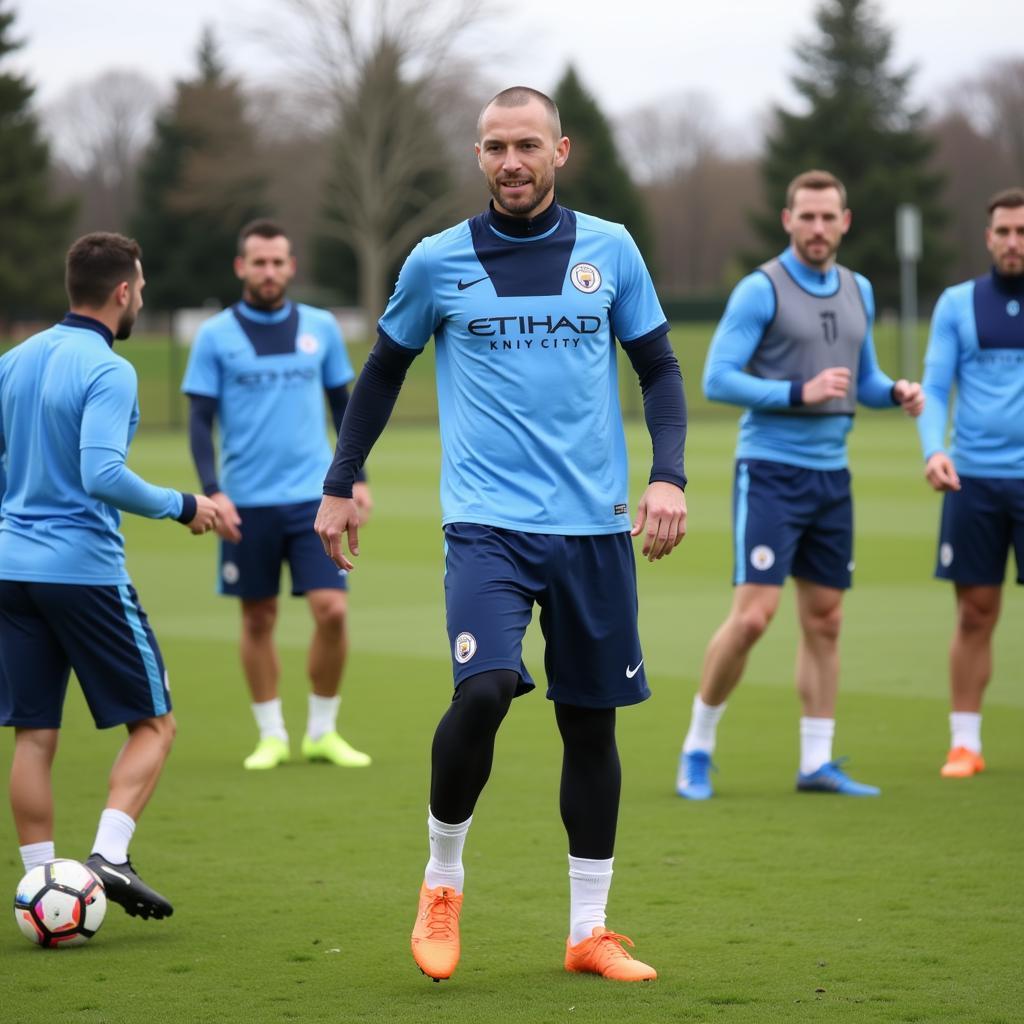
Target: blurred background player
525,302
261,368
68,412
977,343
795,347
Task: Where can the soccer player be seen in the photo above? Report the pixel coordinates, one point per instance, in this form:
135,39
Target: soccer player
261,369
68,412
794,347
977,343
525,302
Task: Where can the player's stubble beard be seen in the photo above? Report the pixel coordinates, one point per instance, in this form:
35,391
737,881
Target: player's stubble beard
267,302
126,322
818,262
524,207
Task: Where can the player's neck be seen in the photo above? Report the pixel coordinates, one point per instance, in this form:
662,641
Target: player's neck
110,318
537,223
822,269
1010,284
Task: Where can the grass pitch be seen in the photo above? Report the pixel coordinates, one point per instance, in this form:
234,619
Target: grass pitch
295,890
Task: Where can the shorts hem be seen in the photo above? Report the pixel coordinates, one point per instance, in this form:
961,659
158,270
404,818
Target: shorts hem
525,684
12,723
624,701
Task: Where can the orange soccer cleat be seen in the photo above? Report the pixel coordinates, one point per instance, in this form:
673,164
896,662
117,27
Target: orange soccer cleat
962,763
603,954
435,936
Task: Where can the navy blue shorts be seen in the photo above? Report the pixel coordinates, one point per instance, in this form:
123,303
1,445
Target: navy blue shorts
586,590
272,534
791,521
48,629
980,523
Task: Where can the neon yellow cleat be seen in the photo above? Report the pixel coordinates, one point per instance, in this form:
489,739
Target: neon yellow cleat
332,748
269,753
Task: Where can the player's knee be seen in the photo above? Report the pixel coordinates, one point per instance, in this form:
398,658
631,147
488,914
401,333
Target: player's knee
752,623
825,623
976,616
259,619
486,697
330,616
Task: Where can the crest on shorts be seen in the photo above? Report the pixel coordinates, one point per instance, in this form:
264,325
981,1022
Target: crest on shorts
1013,308
465,647
946,555
229,573
586,277
308,343
762,557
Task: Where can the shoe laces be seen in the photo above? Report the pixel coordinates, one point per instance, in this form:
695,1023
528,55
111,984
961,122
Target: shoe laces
442,917
608,946
698,768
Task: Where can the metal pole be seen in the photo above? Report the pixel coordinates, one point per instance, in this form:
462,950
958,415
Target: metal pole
908,248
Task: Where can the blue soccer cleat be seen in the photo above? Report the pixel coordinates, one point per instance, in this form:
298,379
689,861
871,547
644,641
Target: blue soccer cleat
830,778
693,782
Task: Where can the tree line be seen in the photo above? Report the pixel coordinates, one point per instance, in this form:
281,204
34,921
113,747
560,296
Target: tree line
367,150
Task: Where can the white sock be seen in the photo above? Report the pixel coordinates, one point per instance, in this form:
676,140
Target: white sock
270,719
323,715
113,836
34,854
589,882
446,843
703,725
815,743
965,730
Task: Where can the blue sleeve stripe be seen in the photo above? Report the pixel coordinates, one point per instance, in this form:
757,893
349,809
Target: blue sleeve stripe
658,331
156,683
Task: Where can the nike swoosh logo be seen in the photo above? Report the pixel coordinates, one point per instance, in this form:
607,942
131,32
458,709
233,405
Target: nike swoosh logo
463,285
630,672
125,878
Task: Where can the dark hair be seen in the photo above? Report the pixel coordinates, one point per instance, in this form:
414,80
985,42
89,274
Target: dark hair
262,228
1009,197
519,96
817,180
96,264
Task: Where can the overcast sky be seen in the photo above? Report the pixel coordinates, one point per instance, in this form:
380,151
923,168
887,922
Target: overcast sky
628,52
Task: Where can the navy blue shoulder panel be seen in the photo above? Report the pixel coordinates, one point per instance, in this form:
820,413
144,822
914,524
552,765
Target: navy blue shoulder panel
271,339
998,314
532,267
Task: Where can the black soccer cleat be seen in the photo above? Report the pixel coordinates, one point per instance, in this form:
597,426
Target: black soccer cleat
123,885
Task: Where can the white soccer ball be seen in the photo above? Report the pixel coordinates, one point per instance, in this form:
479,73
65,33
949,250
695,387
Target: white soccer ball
59,903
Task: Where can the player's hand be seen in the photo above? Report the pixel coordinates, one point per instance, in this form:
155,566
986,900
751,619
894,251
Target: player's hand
364,501
206,517
228,521
337,517
831,383
910,396
940,472
663,510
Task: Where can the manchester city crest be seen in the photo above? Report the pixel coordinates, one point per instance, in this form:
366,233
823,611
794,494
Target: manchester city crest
465,647
586,277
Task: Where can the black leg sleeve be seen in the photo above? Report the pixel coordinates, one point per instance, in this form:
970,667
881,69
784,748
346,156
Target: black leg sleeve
464,743
591,779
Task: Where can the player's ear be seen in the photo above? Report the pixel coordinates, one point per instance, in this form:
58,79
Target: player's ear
239,265
787,220
847,220
476,149
123,293
561,151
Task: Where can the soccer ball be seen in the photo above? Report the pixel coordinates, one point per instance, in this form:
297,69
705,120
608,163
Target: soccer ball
59,903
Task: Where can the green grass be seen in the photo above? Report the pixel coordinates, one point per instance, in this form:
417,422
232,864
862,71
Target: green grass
295,890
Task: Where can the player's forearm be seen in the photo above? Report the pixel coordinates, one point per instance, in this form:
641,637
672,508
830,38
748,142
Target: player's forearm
661,384
368,412
337,399
106,477
931,424
202,411
725,382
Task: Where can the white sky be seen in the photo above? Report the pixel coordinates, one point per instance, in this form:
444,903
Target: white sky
628,52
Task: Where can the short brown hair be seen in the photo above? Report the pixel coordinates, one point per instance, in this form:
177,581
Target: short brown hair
817,180
262,228
96,264
1009,197
519,96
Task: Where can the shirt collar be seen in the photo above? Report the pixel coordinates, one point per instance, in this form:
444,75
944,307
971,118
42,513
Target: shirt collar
524,227
265,316
1008,284
90,324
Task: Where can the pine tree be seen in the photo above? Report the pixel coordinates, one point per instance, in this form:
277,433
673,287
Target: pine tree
198,184
36,226
858,125
595,180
